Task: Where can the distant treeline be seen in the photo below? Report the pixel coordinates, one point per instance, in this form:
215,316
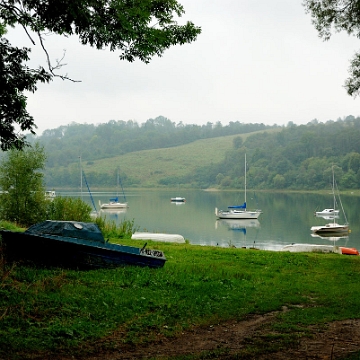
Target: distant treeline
292,157
297,157
65,144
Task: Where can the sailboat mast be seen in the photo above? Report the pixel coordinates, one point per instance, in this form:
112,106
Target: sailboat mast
245,180
333,185
332,168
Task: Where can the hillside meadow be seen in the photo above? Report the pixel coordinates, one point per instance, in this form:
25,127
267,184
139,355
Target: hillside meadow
146,168
149,166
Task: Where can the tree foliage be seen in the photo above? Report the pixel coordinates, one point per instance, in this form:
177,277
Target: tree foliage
21,180
338,15
15,79
137,29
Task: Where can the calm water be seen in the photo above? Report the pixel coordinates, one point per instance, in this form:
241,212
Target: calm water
286,218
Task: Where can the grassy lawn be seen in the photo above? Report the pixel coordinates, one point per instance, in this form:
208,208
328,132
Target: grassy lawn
58,310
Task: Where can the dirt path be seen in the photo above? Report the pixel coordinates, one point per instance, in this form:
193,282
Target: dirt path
226,340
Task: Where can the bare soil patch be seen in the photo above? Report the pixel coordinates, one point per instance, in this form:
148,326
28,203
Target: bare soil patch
233,339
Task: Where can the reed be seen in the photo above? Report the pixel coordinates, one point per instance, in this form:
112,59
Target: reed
111,229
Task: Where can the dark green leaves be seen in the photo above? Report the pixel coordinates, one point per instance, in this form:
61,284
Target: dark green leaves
15,78
137,29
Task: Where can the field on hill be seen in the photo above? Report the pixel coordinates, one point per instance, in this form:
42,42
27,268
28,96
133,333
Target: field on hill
149,166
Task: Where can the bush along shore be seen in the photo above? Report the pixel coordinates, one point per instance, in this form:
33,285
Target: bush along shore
60,311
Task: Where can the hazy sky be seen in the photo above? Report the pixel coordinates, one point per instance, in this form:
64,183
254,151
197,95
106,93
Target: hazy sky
254,62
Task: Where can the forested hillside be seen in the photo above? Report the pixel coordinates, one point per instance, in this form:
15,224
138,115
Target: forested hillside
65,144
160,153
297,157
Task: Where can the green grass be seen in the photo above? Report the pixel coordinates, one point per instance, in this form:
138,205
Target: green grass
149,166
60,310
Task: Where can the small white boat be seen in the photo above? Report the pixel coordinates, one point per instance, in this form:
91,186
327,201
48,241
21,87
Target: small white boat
50,194
178,199
238,211
327,212
312,248
174,238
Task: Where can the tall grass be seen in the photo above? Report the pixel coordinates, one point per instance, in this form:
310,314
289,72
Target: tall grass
110,229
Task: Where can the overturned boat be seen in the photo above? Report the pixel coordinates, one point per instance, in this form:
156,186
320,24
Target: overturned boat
325,249
172,238
74,244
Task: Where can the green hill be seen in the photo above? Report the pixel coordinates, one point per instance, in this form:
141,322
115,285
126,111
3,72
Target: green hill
292,157
147,167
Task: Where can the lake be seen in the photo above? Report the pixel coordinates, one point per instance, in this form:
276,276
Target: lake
286,218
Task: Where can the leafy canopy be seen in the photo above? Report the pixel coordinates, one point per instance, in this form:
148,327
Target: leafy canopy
338,15
138,29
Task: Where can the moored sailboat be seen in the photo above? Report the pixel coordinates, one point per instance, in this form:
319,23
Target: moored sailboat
332,227
114,203
238,211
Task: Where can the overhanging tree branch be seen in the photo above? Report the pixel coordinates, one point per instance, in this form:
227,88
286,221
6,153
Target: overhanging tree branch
338,15
137,29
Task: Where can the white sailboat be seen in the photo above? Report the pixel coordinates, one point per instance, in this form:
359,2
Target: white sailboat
114,203
238,211
332,227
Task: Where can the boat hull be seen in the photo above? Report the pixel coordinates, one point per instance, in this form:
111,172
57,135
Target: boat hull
172,238
237,214
312,248
75,253
178,199
349,251
113,207
331,228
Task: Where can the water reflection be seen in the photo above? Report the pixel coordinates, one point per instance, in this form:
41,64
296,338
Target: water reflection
330,237
328,217
113,211
286,218
237,224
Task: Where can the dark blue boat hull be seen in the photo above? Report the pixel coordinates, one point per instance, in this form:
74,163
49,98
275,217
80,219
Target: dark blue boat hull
69,252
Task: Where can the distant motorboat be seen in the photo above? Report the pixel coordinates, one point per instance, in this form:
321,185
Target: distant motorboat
50,194
178,199
328,212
